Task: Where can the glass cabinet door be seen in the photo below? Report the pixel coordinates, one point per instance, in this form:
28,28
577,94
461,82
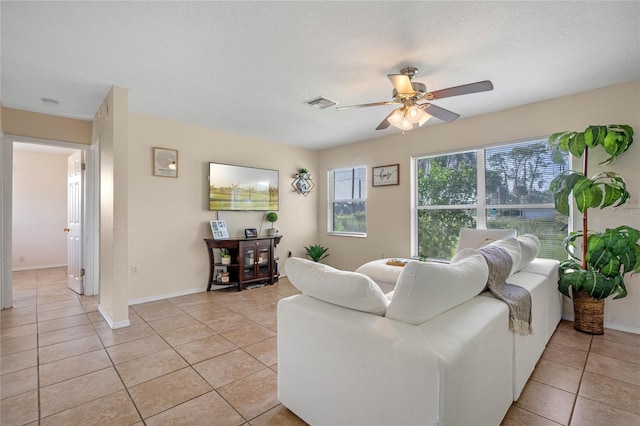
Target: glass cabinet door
248,266
263,261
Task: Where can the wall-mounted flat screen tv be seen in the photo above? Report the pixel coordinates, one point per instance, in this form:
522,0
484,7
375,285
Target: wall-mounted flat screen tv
242,188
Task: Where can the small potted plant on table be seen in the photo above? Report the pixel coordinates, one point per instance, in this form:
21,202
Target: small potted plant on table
272,217
225,257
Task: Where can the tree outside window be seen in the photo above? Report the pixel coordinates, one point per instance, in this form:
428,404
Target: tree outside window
451,195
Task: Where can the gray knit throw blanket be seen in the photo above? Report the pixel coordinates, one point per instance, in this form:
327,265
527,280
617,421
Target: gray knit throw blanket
517,298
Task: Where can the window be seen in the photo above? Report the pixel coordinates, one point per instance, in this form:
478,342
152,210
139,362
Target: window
504,187
348,201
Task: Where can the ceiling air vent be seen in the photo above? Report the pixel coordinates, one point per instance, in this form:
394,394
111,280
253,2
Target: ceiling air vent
321,102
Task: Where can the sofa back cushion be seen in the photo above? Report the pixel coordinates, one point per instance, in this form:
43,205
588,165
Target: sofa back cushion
512,248
529,248
426,289
476,238
344,288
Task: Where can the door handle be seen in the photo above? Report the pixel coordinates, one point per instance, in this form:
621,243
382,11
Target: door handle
66,229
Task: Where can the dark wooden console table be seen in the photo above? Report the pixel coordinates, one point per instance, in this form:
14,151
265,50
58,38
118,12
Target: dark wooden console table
252,260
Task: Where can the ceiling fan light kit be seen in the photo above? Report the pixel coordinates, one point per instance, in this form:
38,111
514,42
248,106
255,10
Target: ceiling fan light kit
407,93
398,119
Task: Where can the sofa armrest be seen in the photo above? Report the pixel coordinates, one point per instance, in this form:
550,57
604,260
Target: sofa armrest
340,366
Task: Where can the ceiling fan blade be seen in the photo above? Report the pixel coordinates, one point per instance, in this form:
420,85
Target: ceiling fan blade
385,123
366,105
465,89
440,113
402,83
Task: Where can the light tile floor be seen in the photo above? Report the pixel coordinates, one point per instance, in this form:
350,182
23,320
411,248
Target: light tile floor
210,359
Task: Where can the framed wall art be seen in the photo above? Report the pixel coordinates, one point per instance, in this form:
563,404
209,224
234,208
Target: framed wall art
386,175
242,188
165,162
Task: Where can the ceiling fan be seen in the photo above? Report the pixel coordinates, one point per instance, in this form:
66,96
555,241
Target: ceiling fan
408,93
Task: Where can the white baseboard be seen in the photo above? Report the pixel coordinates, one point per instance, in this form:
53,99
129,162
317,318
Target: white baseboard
30,268
611,325
166,296
109,321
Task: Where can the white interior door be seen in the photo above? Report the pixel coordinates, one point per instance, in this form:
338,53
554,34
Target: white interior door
74,222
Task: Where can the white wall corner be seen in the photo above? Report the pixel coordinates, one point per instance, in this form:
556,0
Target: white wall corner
113,325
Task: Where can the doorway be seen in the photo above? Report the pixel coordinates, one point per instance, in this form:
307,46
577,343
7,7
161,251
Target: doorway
59,152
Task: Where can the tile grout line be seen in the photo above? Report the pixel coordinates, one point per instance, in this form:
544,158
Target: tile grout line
213,389
238,348
584,367
180,355
38,354
113,365
189,365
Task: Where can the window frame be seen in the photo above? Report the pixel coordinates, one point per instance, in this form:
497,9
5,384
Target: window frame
481,206
331,200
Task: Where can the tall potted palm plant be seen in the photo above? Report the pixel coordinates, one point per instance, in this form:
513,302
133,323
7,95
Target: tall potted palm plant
604,258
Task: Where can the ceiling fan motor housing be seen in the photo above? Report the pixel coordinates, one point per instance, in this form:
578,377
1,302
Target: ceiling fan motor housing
419,90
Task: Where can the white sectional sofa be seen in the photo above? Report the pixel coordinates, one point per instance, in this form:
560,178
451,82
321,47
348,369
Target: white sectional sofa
433,351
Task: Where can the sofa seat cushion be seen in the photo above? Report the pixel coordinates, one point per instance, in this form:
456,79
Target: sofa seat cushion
344,288
549,269
528,349
476,238
427,289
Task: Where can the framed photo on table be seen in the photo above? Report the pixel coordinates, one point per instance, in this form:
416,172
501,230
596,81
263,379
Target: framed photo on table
386,175
219,229
250,233
165,162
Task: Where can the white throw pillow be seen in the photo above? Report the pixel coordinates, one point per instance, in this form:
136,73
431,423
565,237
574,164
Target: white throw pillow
427,289
344,288
529,248
512,247
476,238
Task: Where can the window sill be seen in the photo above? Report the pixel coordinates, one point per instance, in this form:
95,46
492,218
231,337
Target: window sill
347,234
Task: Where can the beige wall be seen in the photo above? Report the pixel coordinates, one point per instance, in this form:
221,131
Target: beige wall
39,210
36,125
389,208
169,217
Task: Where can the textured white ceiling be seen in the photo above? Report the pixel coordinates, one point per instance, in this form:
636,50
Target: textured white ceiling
247,67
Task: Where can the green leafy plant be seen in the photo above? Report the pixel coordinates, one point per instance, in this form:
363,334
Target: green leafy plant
316,252
606,256
272,217
302,171
609,256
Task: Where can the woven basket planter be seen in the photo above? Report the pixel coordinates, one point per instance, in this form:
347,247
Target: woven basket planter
588,313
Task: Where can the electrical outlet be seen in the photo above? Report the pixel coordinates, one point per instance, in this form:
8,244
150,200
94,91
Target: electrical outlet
21,259
135,270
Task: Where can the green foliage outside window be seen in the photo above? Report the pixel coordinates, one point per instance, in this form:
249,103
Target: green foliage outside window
514,176
438,231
